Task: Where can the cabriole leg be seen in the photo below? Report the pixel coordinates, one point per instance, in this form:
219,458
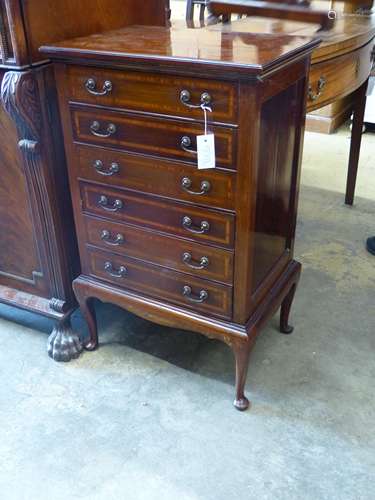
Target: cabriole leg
88,312
242,354
286,305
86,305
63,344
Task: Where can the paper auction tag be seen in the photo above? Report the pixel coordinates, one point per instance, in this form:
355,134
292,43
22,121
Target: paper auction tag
206,151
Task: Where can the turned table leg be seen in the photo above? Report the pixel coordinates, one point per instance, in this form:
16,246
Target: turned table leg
63,344
241,352
189,10
355,142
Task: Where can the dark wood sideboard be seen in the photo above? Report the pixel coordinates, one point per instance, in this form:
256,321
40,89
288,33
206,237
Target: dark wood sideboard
38,255
210,251
340,67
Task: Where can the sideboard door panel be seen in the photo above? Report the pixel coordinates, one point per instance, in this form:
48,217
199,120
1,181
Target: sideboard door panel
19,257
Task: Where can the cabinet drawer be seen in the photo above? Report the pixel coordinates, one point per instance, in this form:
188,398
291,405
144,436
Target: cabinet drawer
162,177
198,260
161,283
120,205
150,135
338,77
152,93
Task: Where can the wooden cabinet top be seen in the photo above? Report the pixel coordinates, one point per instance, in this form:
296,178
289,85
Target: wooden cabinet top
204,51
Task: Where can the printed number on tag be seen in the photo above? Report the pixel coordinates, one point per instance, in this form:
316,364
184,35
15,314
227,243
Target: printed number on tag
206,151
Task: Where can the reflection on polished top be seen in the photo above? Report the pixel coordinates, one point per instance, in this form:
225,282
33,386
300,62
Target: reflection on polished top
202,48
350,32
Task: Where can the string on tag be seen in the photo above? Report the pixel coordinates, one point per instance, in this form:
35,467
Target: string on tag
205,108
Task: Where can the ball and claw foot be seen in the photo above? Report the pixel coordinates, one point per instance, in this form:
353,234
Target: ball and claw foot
241,404
63,344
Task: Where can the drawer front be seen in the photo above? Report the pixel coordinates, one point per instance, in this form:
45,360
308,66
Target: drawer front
150,135
338,77
205,224
161,283
168,95
198,260
162,177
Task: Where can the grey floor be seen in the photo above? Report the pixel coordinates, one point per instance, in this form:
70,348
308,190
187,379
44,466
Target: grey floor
148,416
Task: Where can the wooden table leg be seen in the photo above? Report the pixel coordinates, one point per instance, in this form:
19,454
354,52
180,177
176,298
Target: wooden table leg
355,142
189,10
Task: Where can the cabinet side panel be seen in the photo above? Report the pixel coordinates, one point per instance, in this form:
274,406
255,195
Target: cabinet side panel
278,135
271,125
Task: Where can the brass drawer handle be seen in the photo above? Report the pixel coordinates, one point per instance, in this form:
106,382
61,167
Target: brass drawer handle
319,89
116,241
185,145
113,169
91,87
188,260
95,127
188,293
185,97
187,223
186,183
120,273
104,203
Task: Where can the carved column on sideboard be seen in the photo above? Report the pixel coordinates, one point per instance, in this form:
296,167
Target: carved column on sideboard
20,98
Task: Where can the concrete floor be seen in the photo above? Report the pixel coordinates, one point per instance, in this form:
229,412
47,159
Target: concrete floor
148,416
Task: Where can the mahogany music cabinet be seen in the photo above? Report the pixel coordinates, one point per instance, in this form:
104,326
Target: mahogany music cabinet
210,251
